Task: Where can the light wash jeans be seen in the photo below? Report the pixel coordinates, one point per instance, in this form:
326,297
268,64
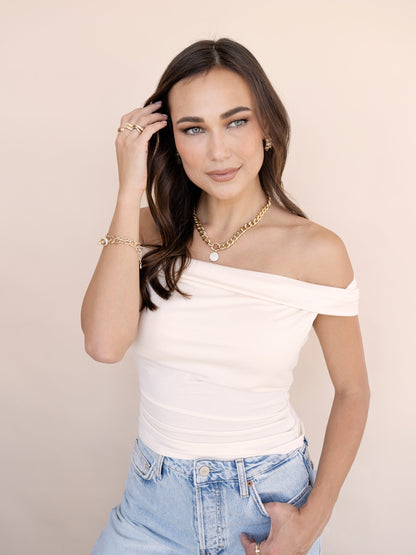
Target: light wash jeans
200,507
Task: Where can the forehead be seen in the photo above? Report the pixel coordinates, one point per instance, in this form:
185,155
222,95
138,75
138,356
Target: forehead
210,93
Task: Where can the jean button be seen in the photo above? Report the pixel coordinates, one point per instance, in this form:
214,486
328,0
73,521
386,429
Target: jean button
204,470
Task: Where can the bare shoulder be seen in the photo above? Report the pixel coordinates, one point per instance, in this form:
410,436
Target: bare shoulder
325,256
148,232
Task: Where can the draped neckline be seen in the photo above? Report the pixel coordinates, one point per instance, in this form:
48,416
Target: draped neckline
265,275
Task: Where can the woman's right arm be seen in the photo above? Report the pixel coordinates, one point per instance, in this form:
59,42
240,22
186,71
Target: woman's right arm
110,309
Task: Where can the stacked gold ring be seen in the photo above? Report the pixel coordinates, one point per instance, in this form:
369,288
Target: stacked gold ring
130,127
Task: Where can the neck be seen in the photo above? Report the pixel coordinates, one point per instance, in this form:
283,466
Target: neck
223,217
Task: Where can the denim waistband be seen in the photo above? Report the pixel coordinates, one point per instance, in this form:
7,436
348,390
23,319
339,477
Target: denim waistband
205,469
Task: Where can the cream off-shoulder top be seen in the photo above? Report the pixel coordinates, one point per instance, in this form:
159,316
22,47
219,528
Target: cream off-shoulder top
215,369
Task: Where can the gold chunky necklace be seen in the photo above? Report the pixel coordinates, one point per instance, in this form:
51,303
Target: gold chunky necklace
214,256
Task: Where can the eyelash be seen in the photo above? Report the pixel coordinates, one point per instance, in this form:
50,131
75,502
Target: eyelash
196,127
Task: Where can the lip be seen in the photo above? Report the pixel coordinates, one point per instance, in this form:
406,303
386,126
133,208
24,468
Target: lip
223,175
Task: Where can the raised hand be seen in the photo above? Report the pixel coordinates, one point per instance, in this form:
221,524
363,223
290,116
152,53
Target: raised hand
132,147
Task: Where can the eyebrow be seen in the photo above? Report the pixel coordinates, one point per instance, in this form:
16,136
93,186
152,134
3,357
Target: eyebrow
225,115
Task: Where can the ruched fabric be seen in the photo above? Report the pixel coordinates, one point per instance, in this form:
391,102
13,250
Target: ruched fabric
215,370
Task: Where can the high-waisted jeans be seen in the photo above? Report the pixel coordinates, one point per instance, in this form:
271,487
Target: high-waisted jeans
176,506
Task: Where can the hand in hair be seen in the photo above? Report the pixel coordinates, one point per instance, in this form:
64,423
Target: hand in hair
132,148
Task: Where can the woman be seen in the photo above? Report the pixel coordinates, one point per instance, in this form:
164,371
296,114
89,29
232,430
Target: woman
216,311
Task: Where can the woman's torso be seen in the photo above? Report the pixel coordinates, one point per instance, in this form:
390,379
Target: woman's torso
215,370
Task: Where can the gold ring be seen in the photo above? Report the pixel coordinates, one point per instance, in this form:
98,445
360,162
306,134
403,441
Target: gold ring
258,548
128,126
138,128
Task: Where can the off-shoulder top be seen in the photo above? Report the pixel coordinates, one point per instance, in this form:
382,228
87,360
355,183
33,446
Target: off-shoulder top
215,370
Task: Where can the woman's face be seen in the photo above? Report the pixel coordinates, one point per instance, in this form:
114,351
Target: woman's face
216,130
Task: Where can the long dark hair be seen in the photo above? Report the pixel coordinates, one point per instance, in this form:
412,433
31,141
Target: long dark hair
171,195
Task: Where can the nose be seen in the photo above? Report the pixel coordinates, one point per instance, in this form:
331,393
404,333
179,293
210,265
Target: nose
218,147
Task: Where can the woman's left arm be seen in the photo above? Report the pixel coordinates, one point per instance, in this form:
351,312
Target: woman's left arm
293,530
342,346
341,342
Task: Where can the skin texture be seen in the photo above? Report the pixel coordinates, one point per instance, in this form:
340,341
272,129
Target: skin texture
216,144
284,244
110,309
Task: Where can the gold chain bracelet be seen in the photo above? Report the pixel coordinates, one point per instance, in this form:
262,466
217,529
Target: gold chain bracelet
115,240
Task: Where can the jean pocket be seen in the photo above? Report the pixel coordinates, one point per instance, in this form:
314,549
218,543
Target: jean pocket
309,466
287,483
140,463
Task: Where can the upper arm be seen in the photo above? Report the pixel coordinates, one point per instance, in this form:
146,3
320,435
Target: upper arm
339,336
342,346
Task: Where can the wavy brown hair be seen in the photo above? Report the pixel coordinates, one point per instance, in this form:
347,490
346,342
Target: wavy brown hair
171,195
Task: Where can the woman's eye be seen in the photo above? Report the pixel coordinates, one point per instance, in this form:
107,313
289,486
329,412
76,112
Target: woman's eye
238,122
193,130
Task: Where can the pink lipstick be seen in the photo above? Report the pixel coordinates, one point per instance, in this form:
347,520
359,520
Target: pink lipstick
223,175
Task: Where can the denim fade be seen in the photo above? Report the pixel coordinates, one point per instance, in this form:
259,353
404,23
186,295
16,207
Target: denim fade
174,506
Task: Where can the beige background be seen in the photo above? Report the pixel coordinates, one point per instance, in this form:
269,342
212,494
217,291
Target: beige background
70,70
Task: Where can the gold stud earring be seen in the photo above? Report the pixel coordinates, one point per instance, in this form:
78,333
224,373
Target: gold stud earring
268,144
178,158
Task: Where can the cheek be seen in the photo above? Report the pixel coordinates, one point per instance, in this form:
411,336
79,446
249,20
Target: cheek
252,151
191,152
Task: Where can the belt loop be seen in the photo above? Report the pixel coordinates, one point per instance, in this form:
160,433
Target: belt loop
158,466
242,478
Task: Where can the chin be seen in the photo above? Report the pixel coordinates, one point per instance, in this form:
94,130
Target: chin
225,190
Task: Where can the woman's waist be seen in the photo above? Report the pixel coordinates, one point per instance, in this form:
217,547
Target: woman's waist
187,435
225,468
212,411
187,443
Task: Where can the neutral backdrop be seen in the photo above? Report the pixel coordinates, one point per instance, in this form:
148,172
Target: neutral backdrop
70,70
